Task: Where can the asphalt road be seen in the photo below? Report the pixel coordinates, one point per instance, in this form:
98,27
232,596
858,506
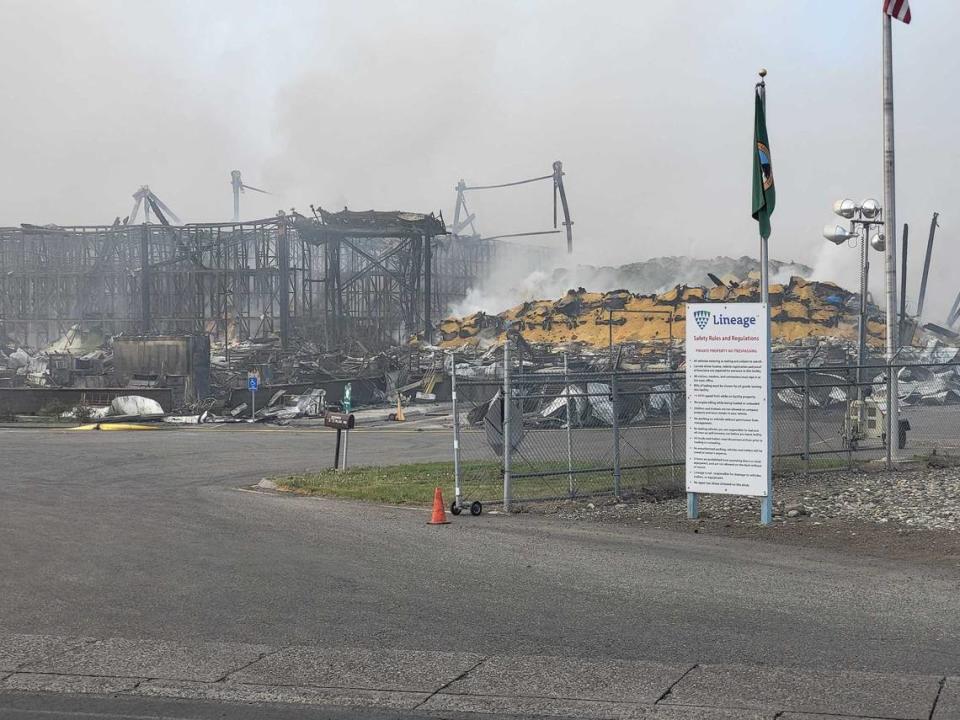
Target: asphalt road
149,535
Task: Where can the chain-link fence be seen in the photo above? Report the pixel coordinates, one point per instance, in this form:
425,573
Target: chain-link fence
577,434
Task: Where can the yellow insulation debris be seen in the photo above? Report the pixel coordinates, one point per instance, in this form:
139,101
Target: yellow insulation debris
800,309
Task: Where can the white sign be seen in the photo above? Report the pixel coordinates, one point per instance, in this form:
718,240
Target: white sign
727,399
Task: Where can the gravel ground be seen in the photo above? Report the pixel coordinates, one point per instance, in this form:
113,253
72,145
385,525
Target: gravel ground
909,513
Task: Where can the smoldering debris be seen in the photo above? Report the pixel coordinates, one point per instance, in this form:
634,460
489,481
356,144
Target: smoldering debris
183,380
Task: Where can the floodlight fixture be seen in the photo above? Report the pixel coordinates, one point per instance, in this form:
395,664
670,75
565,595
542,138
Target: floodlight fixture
878,242
870,208
837,234
846,208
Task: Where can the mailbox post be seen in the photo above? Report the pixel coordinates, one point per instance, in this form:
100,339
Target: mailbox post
340,422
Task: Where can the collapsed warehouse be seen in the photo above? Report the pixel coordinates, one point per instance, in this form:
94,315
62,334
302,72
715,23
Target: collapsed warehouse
184,313
348,304
305,301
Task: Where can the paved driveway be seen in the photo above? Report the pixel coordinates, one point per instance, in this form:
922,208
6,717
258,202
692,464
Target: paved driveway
147,536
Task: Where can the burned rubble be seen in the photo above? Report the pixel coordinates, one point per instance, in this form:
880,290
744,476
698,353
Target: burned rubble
814,327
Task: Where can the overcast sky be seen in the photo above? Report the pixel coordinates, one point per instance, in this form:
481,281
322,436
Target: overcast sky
387,104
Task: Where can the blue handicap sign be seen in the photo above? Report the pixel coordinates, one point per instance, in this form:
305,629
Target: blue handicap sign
252,383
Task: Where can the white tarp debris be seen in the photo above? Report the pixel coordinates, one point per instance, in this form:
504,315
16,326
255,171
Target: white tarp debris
135,405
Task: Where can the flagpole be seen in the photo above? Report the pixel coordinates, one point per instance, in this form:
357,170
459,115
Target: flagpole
890,233
766,503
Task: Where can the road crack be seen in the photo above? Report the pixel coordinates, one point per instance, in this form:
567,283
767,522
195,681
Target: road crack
451,682
676,682
933,709
233,671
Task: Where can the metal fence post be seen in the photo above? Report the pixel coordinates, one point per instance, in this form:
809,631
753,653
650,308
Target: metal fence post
891,438
507,402
671,398
851,437
457,480
566,391
616,436
806,419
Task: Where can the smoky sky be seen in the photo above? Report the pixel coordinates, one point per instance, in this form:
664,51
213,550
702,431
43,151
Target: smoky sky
387,104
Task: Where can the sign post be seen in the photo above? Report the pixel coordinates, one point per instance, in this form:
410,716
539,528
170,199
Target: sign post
342,423
347,406
728,401
253,384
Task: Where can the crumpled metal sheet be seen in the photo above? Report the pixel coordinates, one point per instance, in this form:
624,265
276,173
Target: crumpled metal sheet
789,396
837,395
312,403
601,403
661,399
579,405
946,397
493,423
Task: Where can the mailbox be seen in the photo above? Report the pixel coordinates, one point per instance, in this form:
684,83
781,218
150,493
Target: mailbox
340,421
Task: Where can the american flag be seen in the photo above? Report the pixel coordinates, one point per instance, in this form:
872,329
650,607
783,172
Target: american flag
900,9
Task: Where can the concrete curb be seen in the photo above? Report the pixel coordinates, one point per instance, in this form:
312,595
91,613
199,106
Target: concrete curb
458,682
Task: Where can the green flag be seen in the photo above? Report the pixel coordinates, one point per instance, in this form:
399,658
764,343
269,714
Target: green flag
764,193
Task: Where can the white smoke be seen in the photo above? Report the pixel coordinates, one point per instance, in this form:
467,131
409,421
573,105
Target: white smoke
513,281
511,284
840,264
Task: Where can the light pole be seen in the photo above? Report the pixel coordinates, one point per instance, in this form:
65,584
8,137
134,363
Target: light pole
863,218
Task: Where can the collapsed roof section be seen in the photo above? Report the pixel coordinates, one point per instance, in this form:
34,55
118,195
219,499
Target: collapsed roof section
378,271
394,223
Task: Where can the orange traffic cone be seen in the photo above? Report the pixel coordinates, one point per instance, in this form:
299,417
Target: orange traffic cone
439,516
399,417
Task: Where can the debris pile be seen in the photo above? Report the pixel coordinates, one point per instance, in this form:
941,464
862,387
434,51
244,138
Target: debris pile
801,310
205,383
80,358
